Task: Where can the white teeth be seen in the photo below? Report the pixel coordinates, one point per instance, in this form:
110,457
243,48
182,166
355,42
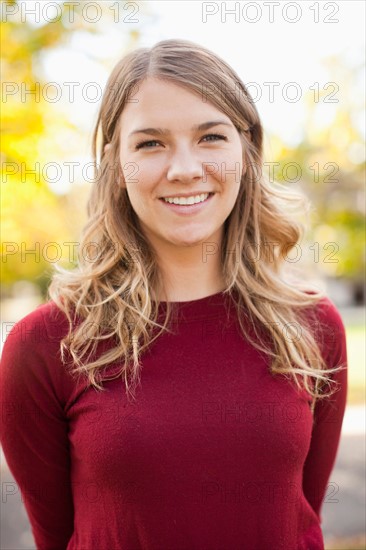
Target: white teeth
187,200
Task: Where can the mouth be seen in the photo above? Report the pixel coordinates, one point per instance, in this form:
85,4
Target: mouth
187,200
184,205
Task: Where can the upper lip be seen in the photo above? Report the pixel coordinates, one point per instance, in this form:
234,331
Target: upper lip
192,194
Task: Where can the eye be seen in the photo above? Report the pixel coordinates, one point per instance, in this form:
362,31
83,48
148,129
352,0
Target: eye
215,136
143,144
147,144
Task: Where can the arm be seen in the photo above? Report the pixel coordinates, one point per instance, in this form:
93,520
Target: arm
34,432
328,414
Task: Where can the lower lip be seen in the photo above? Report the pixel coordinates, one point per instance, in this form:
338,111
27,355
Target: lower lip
187,208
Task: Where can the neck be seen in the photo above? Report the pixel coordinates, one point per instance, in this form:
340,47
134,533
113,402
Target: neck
190,272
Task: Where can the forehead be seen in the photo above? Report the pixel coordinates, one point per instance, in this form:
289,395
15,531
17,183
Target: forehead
154,100
157,87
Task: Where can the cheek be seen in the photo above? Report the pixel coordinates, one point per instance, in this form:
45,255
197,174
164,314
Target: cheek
231,172
139,183
141,177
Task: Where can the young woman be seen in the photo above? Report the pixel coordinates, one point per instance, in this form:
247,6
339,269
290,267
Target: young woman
179,390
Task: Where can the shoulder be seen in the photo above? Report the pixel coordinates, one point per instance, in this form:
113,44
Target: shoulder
31,363
35,339
42,324
325,320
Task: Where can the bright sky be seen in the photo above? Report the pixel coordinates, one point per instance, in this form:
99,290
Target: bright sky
264,51
258,41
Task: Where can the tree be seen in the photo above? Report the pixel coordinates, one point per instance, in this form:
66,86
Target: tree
37,221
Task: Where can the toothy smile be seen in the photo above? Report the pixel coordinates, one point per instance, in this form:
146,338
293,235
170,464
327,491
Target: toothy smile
193,199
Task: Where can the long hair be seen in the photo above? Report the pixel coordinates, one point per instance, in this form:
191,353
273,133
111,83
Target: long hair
111,297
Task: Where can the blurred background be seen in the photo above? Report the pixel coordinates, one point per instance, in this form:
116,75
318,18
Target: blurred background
304,65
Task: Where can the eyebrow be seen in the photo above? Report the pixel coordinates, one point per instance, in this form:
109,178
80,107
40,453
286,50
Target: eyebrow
164,131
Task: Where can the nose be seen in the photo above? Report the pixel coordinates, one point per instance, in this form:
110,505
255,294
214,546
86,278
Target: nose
184,166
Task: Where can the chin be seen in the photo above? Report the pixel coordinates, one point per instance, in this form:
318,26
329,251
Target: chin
193,241
184,242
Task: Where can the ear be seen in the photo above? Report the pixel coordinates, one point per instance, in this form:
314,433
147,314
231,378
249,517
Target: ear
122,183
245,165
121,179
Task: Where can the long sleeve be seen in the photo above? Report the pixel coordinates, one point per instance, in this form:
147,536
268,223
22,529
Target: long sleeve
134,483
34,432
328,414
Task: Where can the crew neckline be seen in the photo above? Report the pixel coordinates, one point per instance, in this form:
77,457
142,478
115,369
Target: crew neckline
199,309
197,301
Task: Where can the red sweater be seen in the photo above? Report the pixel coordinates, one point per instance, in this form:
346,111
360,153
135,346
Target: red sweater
215,454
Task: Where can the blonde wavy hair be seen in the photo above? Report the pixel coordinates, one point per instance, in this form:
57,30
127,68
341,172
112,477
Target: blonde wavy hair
111,297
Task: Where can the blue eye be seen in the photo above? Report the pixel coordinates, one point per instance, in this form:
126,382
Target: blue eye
147,144
216,136
142,144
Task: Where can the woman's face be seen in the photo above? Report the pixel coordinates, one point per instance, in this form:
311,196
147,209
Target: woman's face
164,153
